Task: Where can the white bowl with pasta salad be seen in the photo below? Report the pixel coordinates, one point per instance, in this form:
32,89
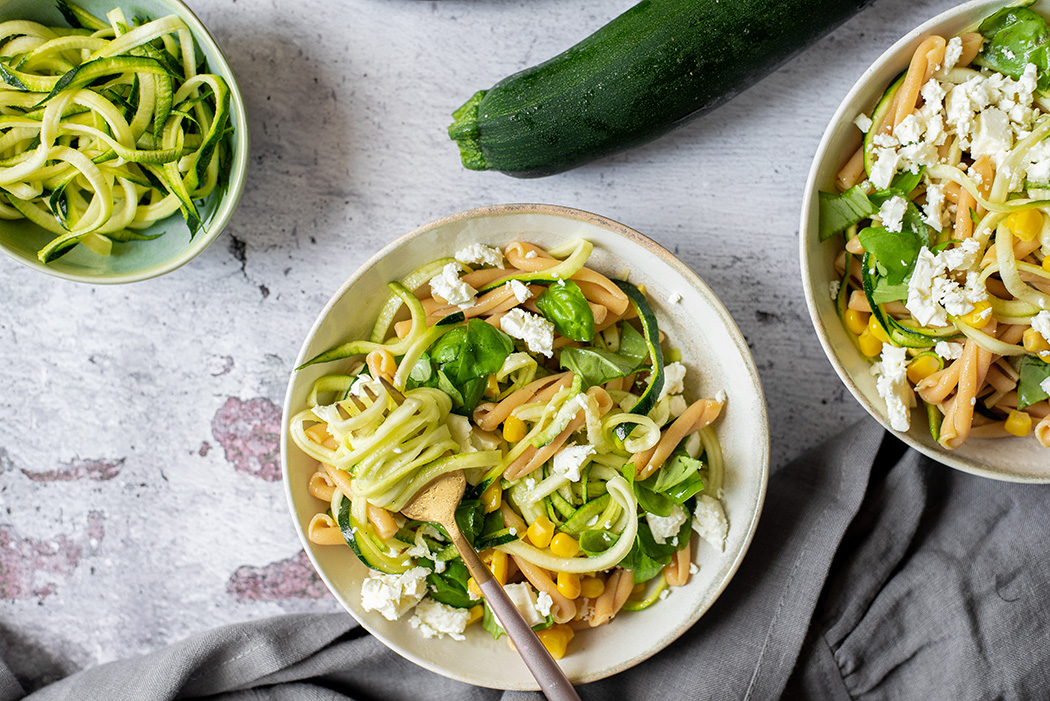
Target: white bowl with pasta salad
925,240
602,404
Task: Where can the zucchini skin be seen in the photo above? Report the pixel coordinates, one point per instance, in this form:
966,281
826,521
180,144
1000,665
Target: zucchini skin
644,73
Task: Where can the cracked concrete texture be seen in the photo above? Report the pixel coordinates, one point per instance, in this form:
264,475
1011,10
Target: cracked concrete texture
140,494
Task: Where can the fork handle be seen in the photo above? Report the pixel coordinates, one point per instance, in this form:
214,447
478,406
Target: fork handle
552,680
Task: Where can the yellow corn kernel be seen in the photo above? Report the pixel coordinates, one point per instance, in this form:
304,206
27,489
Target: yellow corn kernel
498,566
855,321
513,429
869,345
556,639
476,614
1025,224
569,584
473,588
876,330
1046,264
1034,342
592,587
980,316
492,497
492,387
541,531
564,545
641,288
922,367
1019,423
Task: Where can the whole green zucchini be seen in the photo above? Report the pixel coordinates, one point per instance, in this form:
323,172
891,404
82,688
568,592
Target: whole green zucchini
644,73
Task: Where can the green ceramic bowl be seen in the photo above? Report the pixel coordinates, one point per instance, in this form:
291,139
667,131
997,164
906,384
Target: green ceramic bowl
136,260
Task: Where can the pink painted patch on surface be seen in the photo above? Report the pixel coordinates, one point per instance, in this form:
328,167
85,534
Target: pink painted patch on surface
34,567
249,432
293,578
77,469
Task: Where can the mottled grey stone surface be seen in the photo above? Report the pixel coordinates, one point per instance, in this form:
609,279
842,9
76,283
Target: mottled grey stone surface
140,494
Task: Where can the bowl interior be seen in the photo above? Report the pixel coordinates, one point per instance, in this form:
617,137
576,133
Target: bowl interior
1006,459
136,260
717,358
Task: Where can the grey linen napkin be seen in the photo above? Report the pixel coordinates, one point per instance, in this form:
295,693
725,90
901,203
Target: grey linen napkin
925,583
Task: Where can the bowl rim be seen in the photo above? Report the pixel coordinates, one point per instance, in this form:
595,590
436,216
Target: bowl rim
807,224
226,206
615,228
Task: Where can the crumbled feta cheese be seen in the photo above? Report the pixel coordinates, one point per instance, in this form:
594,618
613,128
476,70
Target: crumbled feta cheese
664,594
933,293
436,620
949,350
911,129
664,527
570,459
450,288
537,332
1037,166
677,405
674,379
934,207
709,520
884,167
520,291
480,254
1041,323
531,254
544,602
674,298
393,594
863,122
721,397
952,52
833,288
992,134
1045,385
892,385
892,213
524,598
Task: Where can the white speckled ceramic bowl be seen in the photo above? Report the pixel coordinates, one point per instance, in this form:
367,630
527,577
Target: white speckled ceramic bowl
715,353
136,260
1013,459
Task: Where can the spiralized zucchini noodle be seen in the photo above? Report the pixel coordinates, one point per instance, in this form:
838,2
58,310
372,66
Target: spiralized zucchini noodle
546,383
942,216
107,127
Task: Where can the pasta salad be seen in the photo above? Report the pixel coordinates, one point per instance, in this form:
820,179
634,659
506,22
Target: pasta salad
551,387
941,217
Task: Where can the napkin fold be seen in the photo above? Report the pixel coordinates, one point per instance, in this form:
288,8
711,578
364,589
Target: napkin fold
874,572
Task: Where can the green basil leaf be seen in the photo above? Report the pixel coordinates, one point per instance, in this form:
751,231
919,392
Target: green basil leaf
839,212
595,366
906,181
470,517
450,586
596,541
464,358
1033,373
894,251
686,488
564,305
1016,37
678,468
652,501
640,562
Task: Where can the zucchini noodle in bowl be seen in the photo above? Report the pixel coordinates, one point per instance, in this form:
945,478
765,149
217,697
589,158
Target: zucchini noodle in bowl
927,240
613,459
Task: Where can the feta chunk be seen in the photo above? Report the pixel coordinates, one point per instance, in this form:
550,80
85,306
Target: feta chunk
393,594
525,600
674,379
911,129
709,521
1041,323
863,122
993,134
665,527
447,286
537,332
949,350
892,385
933,293
436,620
892,213
480,254
952,52
568,461
520,291
884,167
544,602
934,207
674,298
1045,385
